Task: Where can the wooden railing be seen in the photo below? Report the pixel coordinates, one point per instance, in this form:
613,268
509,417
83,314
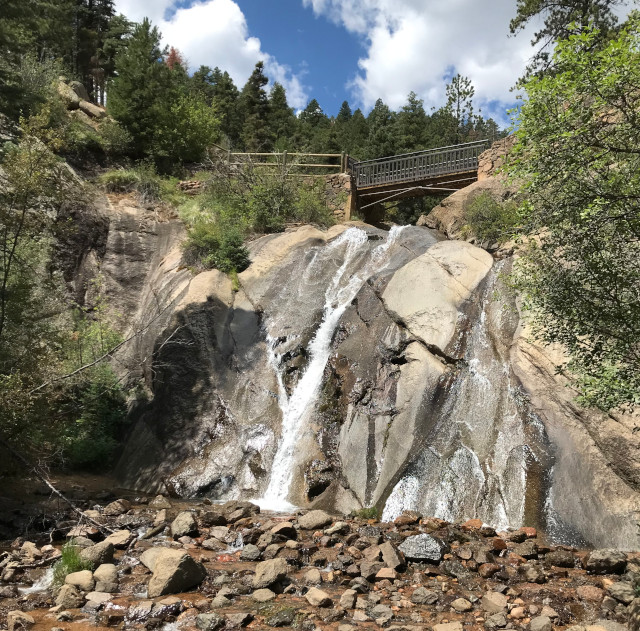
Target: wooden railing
421,165
292,161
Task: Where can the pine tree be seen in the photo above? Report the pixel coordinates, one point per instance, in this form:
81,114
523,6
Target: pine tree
282,120
226,102
460,93
411,124
357,134
344,115
256,134
381,141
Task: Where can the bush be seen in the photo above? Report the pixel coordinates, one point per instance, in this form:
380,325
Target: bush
213,246
116,140
367,513
69,562
491,221
142,179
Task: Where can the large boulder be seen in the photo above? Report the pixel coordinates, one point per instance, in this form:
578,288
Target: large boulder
69,597
184,524
174,571
70,99
98,554
606,562
80,90
423,548
92,110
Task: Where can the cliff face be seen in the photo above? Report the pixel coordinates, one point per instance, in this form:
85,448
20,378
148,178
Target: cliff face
356,367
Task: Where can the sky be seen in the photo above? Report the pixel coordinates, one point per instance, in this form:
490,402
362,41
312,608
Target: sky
355,50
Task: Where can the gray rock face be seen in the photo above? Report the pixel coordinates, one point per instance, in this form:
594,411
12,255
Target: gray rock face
423,547
174,571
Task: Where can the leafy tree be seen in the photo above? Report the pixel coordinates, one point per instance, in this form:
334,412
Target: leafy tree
578,134
254,103
560,20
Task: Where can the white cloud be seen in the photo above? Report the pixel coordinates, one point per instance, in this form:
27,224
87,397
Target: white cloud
215,33
415,44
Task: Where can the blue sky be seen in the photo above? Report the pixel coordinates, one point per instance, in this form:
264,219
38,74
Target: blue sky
358,50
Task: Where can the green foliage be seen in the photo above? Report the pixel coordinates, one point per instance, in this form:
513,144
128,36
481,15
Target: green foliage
216,245
367,513
256,135
141,179
115,139
578,134
69,562
492,221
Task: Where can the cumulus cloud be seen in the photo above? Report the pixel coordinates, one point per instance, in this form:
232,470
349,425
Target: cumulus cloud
215,33
416,45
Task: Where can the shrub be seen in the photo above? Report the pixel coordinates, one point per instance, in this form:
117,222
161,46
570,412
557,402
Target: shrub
211,245
491,221
116,140
69,562
142,179
367,513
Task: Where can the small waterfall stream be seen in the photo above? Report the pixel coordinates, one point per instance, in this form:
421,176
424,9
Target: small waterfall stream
343,288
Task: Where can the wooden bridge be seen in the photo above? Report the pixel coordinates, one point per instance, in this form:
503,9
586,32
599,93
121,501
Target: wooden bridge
429,172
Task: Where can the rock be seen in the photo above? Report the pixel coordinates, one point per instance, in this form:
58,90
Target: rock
282,618
106,578
424,596
119,507
213,518
30,550
590,592
239,619
318,598
314,520
69,597
422,548
348,599
19,621
606,562
220,601
391,556
496,621
560,558
83,580
250,553
98,554
461,605
407,518
285,529
312,577
494,602
381,614
540,623
209,622
69,97
269,572
518,613
159,502
184,525
92,110
79,89
447,626
622,592
386,573
96,599
120,539
263,595
487,570
174,571
149,556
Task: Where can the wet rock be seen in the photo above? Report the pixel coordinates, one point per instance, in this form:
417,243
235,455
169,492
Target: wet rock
422,548
96,600
69,597
119,507
220,601
239,619
159,502
282,618
540,623
83,580
209,622
348,599
606,562
269,572
312,577
106,578
622,592
19,621
184,525
590,592
527,550
263,595
315,519
407,518
461,605
211,518
318,598
447,626
285,529
120,539
424,596
494,602
533,573
98,554
250,553
174,571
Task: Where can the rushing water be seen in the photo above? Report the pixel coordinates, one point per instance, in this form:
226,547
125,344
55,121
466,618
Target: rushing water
483,451
345,285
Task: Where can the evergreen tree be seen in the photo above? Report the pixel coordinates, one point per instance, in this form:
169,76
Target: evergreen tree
344,115
282,120
357,134
256,134
411,124
381,140
227,105
460,93
203,83
113,41
557,20
314,128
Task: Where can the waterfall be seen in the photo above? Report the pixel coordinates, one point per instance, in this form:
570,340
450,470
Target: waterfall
341,291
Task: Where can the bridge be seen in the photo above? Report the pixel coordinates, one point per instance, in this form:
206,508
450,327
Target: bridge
429,172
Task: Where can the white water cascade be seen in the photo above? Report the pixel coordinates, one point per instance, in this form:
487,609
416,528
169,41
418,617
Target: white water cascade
343,288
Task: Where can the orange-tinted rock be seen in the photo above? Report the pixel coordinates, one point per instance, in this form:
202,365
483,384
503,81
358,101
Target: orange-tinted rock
498,544
531,533
472,524
487,570
590,592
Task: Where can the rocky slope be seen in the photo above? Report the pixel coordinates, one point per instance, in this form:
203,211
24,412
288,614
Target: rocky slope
352,368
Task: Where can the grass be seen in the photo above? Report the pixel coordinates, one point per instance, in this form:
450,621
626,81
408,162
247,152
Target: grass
69,562
367,513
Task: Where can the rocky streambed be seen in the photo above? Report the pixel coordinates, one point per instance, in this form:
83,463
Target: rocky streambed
169,564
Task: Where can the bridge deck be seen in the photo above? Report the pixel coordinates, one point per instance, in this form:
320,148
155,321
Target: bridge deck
419,173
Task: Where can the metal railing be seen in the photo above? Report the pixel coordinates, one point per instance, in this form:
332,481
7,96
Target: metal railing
421,165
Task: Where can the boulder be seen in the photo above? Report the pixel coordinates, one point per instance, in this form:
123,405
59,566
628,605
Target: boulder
92,110
540,623
209,622
106,578
149,556
263,595
184,525
69,597
269,572
80,90
318,598
174,571
19,621
120,539
423,548
83,580
348,599
391,556
622,592
98,554
314,520
606,562
118,507
250,553
70,99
